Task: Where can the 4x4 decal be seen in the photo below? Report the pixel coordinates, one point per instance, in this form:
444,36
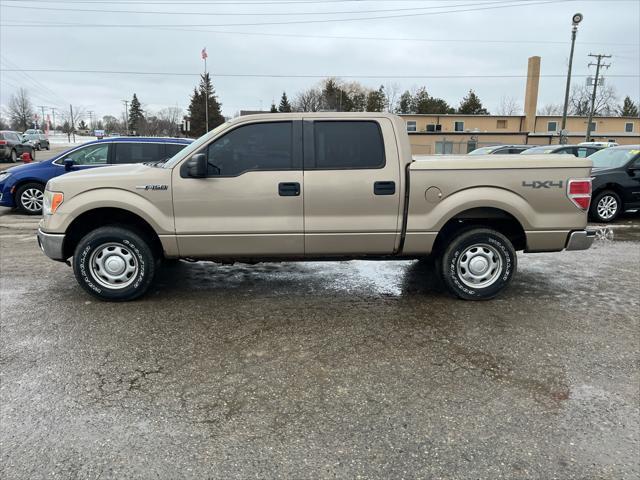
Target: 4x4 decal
542,184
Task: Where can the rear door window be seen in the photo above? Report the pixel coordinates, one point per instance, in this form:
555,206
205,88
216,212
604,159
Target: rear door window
347,145
134,152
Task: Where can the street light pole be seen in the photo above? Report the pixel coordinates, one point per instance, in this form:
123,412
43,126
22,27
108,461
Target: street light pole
576,19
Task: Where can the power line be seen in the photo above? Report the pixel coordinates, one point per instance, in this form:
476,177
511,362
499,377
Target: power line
147,12
267,75
292,22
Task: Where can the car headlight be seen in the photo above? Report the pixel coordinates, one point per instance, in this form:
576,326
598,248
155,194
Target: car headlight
4,176
52,200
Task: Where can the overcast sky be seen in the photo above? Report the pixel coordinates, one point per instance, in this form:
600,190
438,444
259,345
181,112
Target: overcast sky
408,38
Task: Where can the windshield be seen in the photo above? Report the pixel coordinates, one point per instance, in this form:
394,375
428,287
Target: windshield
483,150
194,147
538,150
613,157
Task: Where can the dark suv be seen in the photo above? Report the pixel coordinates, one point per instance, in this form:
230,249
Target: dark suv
616,182
12,146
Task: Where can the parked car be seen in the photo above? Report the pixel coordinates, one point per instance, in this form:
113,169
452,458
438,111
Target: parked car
500,150
316,186
580,151
600,144
12,146
616,182
38,140
22,187
33,130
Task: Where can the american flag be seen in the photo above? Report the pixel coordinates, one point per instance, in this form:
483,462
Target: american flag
204,53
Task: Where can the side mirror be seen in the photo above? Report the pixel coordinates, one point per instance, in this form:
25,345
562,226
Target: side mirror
196,166
68,164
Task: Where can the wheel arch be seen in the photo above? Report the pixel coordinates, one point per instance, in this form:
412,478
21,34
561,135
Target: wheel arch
100,217
482,217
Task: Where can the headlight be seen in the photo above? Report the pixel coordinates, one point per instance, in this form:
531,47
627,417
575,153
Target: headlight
52,200
4,176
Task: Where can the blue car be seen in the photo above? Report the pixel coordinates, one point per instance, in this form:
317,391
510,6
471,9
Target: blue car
22,187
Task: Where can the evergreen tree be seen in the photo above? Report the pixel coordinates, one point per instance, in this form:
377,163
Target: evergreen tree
628,108
332,96
274,109
406,103
82,125
285,106
197,108
136,115
376,100
471,105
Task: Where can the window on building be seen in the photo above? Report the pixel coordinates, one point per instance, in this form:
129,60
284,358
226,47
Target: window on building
411,126
444,148
552,126
628,127
458,126
258,146
593,126
501,124
348,145
434,127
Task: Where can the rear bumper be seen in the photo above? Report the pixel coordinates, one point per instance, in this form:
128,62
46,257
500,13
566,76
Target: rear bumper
580,240
52,245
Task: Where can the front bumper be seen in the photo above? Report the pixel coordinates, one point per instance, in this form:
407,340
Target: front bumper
52,244
580,239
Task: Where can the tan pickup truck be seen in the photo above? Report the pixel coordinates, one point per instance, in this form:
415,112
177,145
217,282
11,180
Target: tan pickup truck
315,186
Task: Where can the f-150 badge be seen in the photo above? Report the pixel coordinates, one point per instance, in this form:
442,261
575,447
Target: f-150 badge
152,187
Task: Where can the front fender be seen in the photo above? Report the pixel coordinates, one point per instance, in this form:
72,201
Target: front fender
157,213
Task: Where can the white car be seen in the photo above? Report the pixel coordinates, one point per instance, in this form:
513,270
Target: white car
600,144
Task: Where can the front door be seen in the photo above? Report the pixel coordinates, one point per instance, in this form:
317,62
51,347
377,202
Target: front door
351,187
251,202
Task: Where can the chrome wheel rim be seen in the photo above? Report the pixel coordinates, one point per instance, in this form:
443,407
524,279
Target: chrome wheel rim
31,199
114,265
479,266
607,207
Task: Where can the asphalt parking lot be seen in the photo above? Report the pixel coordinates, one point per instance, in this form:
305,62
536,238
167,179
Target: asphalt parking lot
345,369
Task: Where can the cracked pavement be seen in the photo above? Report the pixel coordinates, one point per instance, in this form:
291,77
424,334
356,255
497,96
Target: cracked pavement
322,370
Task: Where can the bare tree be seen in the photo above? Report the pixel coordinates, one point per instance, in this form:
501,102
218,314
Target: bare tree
20,110
580,100
508,106
550,109
309,100
393,96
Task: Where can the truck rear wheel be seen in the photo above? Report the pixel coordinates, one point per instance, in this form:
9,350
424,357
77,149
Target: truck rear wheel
114,263
478,264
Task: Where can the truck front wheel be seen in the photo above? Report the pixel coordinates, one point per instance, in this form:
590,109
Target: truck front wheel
114,263
478,264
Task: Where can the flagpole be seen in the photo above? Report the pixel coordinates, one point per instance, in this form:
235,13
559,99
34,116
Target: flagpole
206,96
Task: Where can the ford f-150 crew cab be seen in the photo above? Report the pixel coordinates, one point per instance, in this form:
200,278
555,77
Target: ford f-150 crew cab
315,186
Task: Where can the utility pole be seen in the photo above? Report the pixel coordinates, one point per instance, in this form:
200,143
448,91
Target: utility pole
53,114
206,95
42,107
73,128
126,115
90,113
576,19
598,65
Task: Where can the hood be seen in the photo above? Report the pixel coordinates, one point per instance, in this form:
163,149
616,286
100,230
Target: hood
27,167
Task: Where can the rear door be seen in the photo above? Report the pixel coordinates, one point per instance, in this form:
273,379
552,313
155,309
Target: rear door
351,185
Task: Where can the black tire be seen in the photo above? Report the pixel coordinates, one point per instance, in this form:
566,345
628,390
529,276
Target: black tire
48,147
494,260
605,207
128,249
27,200
14,156
38,146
